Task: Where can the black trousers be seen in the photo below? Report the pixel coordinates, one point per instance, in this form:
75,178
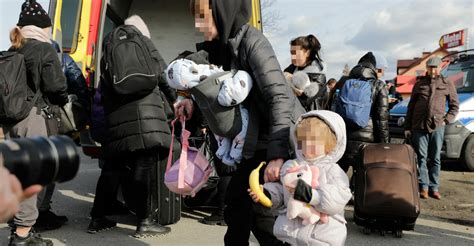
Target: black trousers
140,165
241,214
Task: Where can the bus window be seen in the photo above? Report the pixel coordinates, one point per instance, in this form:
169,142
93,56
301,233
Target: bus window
70,20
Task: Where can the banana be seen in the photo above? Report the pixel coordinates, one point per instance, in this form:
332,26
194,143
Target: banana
255,186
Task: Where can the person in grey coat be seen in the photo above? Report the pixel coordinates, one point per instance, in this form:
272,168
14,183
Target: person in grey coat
273,108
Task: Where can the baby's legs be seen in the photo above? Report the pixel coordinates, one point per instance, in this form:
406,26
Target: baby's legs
239,140
223,146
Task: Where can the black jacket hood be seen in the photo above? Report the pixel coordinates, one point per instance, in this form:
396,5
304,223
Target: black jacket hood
230,16
365,68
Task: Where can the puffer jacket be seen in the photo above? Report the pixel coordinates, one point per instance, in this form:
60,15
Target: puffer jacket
76,83
43,71
273,106
138,123
330,197
377,130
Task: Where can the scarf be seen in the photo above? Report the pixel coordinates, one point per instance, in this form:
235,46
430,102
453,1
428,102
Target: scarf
34,32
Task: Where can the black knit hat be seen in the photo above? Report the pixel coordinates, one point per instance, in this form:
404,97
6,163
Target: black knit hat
368,58
32,13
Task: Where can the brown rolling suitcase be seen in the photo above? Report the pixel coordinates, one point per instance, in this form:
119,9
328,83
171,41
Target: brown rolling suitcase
386,188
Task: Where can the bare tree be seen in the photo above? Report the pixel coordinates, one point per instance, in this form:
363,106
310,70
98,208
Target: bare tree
271,16
346,70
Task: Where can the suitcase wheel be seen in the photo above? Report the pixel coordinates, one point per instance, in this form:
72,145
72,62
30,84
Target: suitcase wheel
367,231
398,234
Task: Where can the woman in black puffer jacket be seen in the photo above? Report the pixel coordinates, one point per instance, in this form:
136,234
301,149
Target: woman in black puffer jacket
273,108
138,138
377,130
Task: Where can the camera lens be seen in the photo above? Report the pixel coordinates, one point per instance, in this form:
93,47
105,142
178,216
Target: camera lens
41,160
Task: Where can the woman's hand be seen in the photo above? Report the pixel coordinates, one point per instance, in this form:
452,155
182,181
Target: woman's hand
184,108
272,171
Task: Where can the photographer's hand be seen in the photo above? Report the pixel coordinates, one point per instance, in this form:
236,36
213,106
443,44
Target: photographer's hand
11,193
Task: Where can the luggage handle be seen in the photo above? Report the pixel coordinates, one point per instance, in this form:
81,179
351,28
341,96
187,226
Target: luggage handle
184,151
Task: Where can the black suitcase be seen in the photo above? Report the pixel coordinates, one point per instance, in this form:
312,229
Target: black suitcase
166,204
386,189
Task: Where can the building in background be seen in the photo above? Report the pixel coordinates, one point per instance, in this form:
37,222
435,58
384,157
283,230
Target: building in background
408,70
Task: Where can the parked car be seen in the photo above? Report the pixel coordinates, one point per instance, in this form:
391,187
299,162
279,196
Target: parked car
458,136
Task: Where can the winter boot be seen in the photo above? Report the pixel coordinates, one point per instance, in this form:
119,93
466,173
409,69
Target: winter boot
150,228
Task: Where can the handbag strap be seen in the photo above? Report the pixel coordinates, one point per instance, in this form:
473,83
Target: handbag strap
184,151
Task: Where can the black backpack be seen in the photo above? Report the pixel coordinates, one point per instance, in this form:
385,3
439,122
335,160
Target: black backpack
14,103
129,63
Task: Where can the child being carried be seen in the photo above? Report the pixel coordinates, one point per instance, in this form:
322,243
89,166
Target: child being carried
184,74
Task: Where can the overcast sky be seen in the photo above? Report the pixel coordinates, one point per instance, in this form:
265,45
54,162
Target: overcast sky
399,29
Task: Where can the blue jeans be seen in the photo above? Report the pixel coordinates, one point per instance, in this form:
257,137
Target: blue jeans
428,147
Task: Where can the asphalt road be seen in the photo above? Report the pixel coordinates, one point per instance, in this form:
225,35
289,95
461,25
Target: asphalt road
74,199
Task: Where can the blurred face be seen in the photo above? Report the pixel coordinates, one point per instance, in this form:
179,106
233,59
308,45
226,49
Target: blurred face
310,142
204,21
331,84
432,71
299,56
380,72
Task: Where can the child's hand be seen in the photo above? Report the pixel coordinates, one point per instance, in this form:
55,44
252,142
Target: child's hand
254,196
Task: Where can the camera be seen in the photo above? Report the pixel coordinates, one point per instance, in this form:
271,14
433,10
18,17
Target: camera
41,160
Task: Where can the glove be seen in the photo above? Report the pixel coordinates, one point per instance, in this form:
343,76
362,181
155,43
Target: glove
303,192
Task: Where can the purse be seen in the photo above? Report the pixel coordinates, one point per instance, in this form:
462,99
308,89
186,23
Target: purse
191,171
72,117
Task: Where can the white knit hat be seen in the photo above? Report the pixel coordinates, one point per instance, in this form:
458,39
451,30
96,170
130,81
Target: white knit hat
138,22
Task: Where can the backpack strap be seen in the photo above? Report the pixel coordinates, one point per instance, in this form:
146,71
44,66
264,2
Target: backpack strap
32,43
170,155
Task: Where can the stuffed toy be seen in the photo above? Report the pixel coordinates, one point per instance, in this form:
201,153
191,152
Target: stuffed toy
295,208
301,85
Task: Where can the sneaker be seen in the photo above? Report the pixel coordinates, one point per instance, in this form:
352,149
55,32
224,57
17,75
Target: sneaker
47,220
100,224
423,194
214,219
32,239
435,194
150,228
